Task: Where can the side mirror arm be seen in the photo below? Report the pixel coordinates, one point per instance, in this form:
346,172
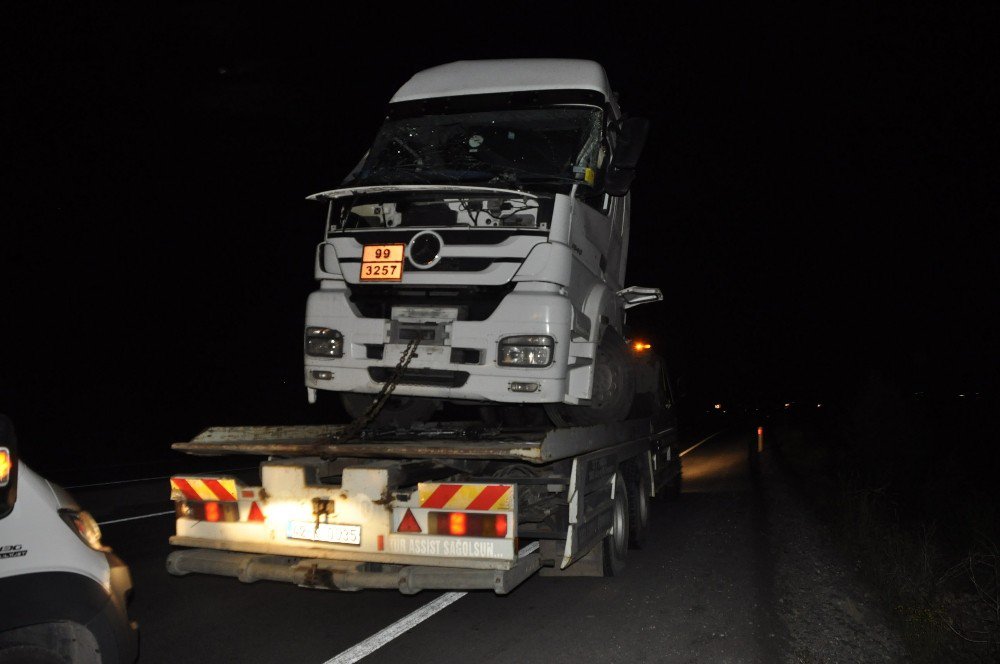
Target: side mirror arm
633,296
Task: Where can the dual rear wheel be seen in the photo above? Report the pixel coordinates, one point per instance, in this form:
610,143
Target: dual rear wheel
630,522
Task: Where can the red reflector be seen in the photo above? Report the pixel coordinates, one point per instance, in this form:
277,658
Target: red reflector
501,525
212,511
456,523
255,513
381,542
408,524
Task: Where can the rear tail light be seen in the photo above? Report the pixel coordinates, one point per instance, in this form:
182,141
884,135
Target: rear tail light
208,510
467,524
457,523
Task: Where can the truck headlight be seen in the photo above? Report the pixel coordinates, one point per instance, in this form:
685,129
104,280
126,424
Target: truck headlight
324,342
526,351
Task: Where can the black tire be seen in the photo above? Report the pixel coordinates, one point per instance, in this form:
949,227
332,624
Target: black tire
637,483
671,492
615,543
613,391
513,416
398,411
30,654
651,397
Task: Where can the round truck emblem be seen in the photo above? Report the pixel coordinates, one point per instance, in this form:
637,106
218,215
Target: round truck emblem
424,250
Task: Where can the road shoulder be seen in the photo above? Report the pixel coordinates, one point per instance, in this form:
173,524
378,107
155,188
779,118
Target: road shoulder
829,613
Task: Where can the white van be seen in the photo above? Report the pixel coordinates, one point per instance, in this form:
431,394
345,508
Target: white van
64,592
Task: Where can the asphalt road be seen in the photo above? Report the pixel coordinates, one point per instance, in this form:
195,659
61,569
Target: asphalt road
701,590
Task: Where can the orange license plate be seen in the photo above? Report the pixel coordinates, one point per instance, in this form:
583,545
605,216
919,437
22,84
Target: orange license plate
382,262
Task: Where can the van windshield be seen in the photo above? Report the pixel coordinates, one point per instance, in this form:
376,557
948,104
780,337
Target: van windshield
508,147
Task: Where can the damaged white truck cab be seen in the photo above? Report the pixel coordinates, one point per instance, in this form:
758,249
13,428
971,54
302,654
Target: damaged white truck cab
489,220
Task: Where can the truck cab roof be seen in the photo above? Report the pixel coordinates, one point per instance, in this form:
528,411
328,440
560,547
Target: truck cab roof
478,77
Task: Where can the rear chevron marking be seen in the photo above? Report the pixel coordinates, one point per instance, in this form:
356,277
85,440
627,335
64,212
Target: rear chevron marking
220,492
481,497
182,485
488,497
441,496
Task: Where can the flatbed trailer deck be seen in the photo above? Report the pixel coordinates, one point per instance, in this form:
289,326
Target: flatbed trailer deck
436,506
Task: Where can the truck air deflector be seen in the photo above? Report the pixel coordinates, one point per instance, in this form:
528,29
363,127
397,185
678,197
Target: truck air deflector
376,189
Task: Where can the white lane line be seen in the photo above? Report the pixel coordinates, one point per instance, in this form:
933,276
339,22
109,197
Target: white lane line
162,477
135,518
379,639
701,442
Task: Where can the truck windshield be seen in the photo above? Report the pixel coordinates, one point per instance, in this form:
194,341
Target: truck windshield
506,147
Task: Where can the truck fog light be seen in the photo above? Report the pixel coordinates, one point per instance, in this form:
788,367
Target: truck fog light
324,342
524,387
321,375
525,351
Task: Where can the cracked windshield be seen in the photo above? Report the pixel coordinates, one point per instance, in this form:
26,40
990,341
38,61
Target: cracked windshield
497,148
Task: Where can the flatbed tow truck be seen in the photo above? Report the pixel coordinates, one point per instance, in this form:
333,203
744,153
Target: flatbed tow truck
489,222
433,506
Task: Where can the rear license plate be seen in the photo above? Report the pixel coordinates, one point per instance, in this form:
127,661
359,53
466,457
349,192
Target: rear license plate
382,262
324,532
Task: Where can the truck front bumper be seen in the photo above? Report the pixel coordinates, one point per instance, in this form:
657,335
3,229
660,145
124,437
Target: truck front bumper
434,373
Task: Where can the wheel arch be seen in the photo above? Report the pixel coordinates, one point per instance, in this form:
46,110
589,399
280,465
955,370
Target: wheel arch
46,600
601,306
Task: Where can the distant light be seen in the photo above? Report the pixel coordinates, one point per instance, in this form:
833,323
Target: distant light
961,395
819,405
718,406
788,405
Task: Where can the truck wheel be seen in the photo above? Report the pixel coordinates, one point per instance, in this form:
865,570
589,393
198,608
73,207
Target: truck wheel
513,416
651,398
674,493
613,390
29,654
638,508
398,411
615,543
671,492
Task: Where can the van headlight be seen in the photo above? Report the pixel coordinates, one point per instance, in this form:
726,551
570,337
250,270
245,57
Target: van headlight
525,351
84,526
324,342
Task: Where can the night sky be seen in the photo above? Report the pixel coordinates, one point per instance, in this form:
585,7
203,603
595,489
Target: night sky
817,198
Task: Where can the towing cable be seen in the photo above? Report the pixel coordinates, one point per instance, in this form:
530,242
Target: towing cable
359,424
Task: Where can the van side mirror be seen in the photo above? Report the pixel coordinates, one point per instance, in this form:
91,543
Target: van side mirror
8,466
631,140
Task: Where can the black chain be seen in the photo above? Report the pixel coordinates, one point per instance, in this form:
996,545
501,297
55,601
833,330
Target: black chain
358,425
